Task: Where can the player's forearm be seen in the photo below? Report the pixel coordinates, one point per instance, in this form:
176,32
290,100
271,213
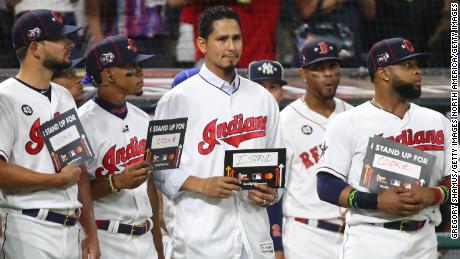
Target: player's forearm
154,203
100,187
14,176
87,213
193,184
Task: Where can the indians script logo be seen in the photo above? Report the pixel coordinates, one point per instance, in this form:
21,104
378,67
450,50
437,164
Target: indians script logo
123,156
35,145
421,140
234,132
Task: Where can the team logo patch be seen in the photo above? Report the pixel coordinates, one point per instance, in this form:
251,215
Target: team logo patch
34,34
267,69
382,58
132,46
56,17
27,110
323,48
323,149
407,45
107,58
307,129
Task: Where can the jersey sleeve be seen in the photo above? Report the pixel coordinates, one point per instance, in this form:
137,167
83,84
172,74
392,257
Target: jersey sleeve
8,125
169,181
337,147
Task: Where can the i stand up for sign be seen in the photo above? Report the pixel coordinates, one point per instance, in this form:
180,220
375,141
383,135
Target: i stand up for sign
261,166
391,164
165,139
66,141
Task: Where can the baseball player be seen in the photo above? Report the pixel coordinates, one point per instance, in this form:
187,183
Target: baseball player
123,199
207,215
397,222
40,207
312,226
270,74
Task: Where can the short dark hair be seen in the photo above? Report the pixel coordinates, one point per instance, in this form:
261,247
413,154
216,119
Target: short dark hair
215,13
21,53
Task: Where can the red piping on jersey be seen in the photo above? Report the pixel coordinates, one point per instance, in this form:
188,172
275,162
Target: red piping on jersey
308,118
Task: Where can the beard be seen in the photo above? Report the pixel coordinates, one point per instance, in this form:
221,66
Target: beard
406,90
55,65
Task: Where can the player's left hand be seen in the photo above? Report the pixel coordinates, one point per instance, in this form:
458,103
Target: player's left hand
90,247
262,195
421,195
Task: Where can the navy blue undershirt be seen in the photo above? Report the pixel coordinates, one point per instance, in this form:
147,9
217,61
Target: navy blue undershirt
121,111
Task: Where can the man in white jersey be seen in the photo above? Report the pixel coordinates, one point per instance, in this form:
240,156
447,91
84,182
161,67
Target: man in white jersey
117,131
312,226
39,208
398,222
206,214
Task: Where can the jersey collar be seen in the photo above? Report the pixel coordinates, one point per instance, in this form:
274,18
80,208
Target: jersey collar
218,82
121,111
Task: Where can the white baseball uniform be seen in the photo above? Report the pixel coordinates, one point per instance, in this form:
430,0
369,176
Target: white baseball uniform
346,143
23,110
221,116
118,143
303,131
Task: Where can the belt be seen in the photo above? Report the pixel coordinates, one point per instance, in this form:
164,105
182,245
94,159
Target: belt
66,220
135,230
404,225
322,224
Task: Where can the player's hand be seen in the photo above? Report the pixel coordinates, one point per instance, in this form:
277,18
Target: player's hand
219,186
262,195
90,247
68,176
394,201
279,255
133,176
421,195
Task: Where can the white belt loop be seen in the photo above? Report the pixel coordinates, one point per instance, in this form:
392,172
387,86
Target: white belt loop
113,226
42,214
151,224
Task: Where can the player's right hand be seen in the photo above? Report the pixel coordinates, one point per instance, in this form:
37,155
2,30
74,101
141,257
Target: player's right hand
133,176
68,176
392,202
220,186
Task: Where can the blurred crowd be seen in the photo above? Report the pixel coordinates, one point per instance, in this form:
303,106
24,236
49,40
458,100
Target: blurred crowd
273,29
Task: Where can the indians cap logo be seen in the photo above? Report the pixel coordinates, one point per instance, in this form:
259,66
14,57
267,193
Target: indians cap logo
34,34
56,17
132,46
382,58
107,58
267,69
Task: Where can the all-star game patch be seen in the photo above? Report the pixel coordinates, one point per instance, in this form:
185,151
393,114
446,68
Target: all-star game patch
261,166
165,140
66,140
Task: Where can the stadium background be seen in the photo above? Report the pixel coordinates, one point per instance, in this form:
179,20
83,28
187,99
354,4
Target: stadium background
425,22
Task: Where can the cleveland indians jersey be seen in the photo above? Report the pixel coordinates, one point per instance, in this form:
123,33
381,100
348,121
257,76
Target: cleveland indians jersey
117,143
347,138
23,110
303,132
248,118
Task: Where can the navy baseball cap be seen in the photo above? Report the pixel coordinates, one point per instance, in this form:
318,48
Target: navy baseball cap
39,25
184,75
113,51
317,51
266,70
390,51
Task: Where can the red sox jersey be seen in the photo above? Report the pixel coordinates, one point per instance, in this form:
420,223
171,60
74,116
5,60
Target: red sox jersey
346,143
22,111
303,132
117,143
246,118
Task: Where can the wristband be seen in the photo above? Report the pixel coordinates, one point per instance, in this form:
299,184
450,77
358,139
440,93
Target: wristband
438,195
446,192
362,200
112,186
